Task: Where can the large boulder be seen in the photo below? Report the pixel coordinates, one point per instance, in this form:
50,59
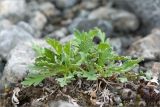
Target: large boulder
9,38
5,24
147,47
147,10
122,20
12,9
19,60
38,22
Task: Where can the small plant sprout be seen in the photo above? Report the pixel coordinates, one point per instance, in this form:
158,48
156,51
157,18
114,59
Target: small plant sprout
80,58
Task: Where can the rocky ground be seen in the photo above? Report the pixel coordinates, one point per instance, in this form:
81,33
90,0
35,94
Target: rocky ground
133,29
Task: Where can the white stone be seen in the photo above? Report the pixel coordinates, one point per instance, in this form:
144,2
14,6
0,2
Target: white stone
9,38
14,9
19,60
122,20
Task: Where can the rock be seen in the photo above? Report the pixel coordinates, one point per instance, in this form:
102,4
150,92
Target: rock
128,94
142,104
38,22
147,47
38,104
18,61
5,24
90,4
9,38
147,10
67,38
58,34
12,9
49,28
26,27
83,13
155,73
116,44
122,20
17,65
87,24
117,100
61,104
62,4
49,9
32,6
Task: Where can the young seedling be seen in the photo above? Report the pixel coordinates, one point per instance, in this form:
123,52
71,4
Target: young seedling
80,58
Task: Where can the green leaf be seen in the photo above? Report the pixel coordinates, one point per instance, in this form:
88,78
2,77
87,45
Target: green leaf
38,50
56,45
101,35
33,80
65,80
67,48
48,53
148,75
91,75
123,79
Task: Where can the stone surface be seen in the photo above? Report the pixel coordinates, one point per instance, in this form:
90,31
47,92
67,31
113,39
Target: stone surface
58,34
116,44
87,24
122,20
90,4
18,61
12,9
147,47
38,22
5,24
26,27
67,38
48,9
64,3
147,10
9,38
156,71
61,104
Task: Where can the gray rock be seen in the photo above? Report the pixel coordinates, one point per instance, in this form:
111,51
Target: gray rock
32,6
38,22
12,9
116,44
9,38
5,24
26,27
19,60
147,10
117,100
147,47
65,3
58,34
87,24
128,94
61,104
49,9
122,20
83,13
90,4
67,38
